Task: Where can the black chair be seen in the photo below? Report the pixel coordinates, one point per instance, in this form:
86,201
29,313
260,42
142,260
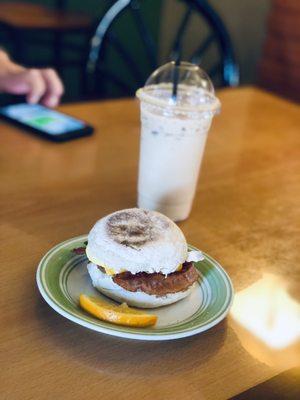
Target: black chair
113,64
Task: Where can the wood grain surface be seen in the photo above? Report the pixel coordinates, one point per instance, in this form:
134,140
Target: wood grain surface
23,15
245,215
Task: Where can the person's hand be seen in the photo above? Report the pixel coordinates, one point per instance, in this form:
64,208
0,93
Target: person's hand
39,85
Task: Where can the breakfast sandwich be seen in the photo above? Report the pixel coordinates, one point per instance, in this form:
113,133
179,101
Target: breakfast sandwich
141,257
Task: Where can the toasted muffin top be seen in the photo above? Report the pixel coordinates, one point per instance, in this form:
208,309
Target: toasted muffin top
137,240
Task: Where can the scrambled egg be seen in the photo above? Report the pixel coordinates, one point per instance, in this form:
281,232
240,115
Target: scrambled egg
111,272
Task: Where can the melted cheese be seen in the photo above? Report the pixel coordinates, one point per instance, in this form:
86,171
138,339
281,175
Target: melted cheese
110,271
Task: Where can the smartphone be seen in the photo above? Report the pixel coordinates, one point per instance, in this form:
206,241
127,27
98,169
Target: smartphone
50,124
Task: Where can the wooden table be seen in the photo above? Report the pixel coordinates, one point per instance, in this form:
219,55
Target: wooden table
245,215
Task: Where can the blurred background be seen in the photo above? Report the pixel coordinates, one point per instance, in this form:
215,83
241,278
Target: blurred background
105,49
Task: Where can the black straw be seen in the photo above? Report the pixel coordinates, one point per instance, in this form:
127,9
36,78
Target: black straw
175,79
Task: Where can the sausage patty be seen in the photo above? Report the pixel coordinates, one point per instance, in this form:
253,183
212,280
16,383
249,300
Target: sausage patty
157,283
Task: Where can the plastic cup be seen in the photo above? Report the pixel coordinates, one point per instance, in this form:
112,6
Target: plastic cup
173,136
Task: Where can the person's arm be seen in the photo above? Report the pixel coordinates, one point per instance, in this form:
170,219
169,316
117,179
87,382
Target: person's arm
39,85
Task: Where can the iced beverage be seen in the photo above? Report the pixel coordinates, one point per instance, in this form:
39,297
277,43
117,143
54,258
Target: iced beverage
173,137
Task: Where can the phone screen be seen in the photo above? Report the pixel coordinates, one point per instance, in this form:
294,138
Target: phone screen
42,118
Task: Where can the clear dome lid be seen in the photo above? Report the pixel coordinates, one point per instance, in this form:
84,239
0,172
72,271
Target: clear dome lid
184,86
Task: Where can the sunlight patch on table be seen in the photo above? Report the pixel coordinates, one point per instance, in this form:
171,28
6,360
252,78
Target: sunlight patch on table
267,310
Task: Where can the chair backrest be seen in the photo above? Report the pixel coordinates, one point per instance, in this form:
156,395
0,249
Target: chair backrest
109,49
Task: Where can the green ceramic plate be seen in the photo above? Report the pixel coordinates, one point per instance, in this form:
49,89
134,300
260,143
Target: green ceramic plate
62,276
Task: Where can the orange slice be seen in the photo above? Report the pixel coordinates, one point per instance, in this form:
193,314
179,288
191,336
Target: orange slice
116,314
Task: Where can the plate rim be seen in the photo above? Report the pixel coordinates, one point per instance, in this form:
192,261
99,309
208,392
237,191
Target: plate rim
131,335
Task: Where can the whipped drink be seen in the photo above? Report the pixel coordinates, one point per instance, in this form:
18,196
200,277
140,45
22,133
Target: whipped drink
173,137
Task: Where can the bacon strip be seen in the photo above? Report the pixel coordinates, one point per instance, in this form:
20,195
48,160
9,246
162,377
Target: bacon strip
79,250
157,283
